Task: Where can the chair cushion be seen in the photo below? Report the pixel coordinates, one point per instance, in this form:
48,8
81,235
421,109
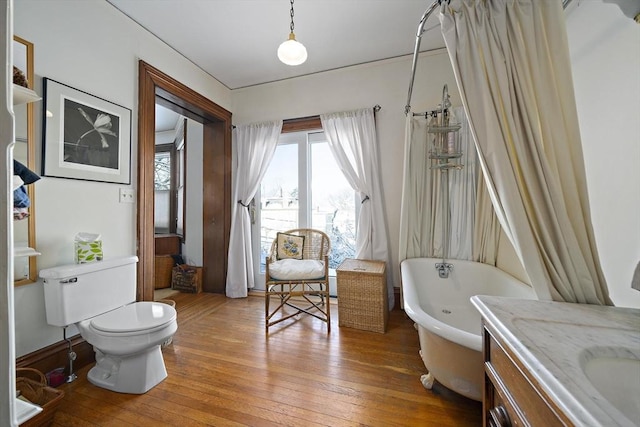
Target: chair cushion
290,246
296,269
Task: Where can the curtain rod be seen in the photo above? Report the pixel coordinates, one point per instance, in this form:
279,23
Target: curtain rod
432,113
416,48
376,108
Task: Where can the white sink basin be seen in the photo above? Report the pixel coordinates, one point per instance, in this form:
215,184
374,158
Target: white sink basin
616,377
585,357
609,364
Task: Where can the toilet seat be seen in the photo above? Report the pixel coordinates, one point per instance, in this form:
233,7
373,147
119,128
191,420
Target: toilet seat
133,319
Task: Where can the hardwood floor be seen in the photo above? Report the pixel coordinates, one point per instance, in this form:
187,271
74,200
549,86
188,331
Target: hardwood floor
225,371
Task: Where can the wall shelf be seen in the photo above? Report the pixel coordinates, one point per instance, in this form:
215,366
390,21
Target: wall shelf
24,251
26,410
23,95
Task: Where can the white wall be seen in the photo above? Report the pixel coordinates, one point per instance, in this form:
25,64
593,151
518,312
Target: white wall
605,56
91,46
384,83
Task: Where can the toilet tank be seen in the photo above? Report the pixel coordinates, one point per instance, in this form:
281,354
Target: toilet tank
77,292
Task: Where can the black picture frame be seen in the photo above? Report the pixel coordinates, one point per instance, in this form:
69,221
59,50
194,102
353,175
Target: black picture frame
84,137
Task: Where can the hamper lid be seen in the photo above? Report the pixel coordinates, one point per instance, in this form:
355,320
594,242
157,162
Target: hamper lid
139,316
362,266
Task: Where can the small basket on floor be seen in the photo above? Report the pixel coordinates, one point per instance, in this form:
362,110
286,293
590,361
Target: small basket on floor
187,278
37,392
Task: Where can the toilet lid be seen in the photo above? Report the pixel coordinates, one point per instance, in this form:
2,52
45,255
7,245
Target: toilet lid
139,316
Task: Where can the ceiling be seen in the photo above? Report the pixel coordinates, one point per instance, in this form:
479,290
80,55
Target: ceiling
235,41
166,120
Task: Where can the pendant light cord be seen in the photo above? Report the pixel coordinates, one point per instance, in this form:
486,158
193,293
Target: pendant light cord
291,26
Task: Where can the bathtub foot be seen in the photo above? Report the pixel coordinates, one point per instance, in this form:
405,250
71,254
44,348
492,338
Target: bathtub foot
427,381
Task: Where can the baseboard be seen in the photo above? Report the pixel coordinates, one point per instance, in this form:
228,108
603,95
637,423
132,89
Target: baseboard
396,298
57,356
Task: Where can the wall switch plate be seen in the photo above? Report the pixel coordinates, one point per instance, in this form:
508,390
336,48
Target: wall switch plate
127,195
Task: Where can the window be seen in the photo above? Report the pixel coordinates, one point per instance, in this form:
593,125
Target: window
164,188
169,189
304,188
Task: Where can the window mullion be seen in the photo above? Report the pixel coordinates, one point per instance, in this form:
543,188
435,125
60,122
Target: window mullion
304,188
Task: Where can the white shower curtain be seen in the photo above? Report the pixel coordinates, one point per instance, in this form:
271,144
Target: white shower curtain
421,217
511,63
255,147
462,193
416,212
353,143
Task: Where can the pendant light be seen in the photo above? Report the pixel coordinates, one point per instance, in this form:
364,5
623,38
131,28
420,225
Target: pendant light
292,52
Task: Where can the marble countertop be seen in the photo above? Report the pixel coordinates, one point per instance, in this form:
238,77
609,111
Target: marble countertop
553,340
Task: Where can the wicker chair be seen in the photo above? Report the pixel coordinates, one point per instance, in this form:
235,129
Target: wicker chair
297,295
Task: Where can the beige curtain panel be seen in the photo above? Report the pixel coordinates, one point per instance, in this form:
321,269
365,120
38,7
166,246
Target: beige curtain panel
474,230
511,62
486,237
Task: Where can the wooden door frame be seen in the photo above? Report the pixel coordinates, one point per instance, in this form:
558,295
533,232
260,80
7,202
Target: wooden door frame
216,177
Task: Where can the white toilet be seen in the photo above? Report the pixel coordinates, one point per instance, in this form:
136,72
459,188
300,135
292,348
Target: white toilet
99,299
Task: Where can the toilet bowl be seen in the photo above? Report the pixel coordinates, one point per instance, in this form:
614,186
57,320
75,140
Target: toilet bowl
127,343
99,299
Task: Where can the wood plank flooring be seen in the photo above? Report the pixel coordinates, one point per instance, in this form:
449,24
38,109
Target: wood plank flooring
225,371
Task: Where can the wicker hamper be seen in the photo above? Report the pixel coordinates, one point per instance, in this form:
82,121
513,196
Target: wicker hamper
362,295
37,392
163,268
187,278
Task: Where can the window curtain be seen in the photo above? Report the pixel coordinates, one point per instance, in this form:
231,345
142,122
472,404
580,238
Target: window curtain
511,63
255,147
353,143
162,211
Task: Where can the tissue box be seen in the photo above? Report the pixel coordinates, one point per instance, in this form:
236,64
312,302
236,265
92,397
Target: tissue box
88,251
88,248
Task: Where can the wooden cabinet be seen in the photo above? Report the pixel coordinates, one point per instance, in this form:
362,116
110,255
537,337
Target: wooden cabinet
511,395
167,244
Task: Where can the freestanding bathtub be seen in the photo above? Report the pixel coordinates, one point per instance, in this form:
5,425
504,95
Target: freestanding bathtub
449,327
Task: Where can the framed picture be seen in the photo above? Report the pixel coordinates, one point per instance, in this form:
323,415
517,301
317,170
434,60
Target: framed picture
85,137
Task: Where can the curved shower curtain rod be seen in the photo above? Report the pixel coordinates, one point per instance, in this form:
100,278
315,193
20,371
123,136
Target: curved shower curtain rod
416,49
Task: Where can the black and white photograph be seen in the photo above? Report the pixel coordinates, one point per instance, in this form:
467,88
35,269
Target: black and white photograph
85,137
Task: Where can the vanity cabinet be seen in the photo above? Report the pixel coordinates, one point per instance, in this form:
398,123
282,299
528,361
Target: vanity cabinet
512,397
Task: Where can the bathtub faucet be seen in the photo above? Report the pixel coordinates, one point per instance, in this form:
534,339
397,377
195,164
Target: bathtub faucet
444,269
